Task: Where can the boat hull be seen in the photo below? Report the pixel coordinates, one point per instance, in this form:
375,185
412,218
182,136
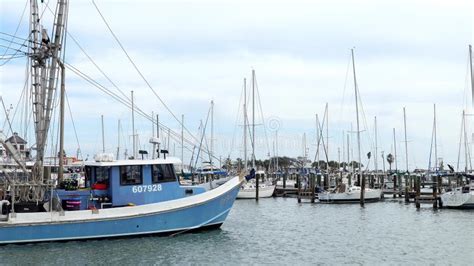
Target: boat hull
457,200
263,192
207,211
372,195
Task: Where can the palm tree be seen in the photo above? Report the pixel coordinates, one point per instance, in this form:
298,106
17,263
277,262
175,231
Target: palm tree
390,160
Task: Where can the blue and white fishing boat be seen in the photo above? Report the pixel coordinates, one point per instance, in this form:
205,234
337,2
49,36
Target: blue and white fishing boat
119,198
122,198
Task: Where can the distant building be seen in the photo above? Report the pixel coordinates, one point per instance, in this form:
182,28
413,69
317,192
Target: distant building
19,144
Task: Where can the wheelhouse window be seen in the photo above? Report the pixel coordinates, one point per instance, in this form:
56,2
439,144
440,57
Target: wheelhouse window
102,175
162,173
131,175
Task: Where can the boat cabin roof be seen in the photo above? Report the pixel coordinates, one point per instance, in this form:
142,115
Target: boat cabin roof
168,160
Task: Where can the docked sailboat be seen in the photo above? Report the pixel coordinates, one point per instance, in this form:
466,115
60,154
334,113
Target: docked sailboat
463,197
349,194
257,185
459,198
265,187
119,198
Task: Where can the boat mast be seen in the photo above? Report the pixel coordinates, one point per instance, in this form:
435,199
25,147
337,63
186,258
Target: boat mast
406,143
435,138
45,64
318,141
327,140
103,135
395,150
212,134
472,74
253,135
376,151
61,123
182,142
158,135
276,150
361,177
245,124
118,140
253,119
133,128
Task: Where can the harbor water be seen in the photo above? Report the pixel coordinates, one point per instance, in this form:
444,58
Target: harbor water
281,231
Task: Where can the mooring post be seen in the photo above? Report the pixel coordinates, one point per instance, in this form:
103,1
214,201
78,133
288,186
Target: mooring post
326,181
395,186
417,188
298,182
435,194
407,196
312,182
284,180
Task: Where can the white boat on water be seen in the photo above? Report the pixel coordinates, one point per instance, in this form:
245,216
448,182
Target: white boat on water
460,198
346,194
265,189
248,191
289,184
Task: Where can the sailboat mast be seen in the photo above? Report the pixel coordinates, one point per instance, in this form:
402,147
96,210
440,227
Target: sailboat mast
276,150
212,133
182,142
253,119
118,140
406,143
245,124
472,74
376,150
133,129
318,140
357,111
435,138
362,180
103,134
395,151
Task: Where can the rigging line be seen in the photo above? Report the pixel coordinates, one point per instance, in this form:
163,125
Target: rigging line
16,37
127,104
29,35
90,58
261,115
140,73
236,123
321,135
364,120
344,90
17,51
174,135
98,68
23,94
13,57
7,118
202,137
73,124
18,25
10,42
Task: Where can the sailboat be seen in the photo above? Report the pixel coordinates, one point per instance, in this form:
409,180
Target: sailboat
349,193
463,197
120,198
258,186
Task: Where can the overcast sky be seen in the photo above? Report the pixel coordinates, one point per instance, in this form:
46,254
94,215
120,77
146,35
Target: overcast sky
409,54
